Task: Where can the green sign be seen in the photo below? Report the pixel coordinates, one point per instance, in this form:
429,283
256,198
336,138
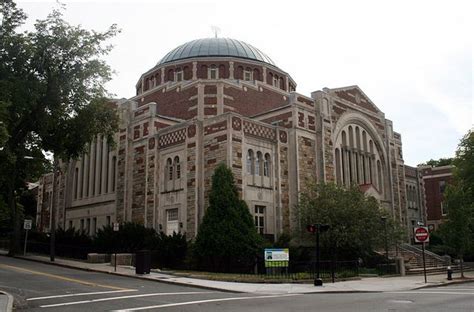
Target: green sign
276,257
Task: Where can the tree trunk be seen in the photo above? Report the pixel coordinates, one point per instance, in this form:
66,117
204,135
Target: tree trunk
461,262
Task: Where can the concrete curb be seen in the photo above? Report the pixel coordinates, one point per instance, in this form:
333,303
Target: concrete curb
447,283
10,300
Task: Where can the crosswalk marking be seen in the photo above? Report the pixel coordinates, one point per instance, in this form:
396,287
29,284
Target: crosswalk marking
204,301
126,297
82,294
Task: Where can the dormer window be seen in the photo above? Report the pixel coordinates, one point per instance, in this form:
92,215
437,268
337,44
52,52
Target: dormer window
248,75
213,72
179,75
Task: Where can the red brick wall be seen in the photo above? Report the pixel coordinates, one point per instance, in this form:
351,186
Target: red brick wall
174,104
252,102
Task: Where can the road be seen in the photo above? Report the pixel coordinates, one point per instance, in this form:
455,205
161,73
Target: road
42,287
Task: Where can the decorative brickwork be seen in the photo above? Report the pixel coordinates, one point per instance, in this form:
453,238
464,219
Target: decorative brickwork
172,138
306,161
259,131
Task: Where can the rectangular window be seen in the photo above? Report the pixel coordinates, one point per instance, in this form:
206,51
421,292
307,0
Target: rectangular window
444,208
88,229
178,171
442,186
82,225
179,75
260,219
107,220
275,82
172,221
213,73
70,224
247,75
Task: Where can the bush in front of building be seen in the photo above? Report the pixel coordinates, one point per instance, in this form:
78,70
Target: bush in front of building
130,238
227,240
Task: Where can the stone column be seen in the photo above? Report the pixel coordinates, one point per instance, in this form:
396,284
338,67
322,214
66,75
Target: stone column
98,166
194,70
104,168
85,174
231,70
91,168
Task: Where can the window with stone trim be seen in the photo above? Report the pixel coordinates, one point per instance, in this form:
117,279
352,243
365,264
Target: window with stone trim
213,72
258,164
259,218
177,167
248,75
172,221
179,75
250,169
169,169
266,165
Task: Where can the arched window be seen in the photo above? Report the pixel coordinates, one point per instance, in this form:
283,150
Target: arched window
177,167
338,167
179,75
169,169
170,75
250,162
282,83
258,164
344,139
266,165
256,74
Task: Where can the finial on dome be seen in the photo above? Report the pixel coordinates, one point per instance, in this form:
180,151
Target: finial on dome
216,30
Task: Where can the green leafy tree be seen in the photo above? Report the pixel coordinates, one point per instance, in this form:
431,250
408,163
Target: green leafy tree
52,97
438,162
227,239
458,231
357,223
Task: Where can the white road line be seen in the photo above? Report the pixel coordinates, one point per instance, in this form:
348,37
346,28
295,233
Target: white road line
82,294
431,292
125,297
204,301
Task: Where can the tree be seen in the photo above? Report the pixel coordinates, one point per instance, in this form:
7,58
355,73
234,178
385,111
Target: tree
356,222
52,97
458,230
227,239
439,162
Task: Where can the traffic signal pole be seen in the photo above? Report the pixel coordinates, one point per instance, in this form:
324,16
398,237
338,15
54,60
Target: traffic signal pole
318,281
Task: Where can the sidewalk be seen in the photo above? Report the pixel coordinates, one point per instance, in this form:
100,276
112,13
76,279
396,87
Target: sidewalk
6,302
370,284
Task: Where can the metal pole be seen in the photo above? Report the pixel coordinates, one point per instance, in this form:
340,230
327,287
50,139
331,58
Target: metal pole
386,246
424,263
317,280
26,239
115,262
52,250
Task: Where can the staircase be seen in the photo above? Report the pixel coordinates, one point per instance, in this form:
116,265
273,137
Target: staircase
413,258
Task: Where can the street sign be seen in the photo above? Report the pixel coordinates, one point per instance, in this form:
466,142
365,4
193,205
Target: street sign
422,235
27,224
276,257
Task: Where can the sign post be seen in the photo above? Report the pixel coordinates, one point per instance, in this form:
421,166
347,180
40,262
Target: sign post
27,226
422,235
116,229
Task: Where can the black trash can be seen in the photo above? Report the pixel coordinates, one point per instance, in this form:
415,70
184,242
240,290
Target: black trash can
142,262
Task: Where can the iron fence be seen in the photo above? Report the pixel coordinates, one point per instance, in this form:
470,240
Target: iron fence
306,270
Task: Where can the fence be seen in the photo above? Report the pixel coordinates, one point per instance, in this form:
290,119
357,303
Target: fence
301,270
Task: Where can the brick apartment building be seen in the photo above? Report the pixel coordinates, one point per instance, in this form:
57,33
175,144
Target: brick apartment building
218,100
435,180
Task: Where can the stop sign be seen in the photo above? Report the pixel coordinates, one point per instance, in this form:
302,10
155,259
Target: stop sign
422,235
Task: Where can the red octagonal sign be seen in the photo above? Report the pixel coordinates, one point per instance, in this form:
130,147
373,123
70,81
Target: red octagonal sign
422,235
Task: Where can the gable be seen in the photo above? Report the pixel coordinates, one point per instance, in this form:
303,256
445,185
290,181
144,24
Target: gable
356,96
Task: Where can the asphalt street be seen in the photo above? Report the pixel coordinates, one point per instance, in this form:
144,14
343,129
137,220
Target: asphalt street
42,287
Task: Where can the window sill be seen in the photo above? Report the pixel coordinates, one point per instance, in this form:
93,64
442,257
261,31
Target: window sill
261,187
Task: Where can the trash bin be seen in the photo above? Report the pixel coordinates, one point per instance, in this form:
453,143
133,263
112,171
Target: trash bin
142,262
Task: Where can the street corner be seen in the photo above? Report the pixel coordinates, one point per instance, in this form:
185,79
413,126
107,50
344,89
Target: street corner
6,301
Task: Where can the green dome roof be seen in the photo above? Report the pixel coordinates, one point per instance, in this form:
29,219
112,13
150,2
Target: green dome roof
209,47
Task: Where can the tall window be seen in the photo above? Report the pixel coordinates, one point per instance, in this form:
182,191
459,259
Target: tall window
247,75
250,162
260,219
179,75
258,164
76,182
169,167
177,166
266,165
172,221
442,186
275,81
213,72
444,208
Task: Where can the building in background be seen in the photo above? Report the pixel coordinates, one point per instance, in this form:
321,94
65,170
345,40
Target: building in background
415,199
435,180
218,100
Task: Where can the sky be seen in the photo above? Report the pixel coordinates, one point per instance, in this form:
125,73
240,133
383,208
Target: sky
412,58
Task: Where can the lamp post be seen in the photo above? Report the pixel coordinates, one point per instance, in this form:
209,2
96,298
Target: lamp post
384,221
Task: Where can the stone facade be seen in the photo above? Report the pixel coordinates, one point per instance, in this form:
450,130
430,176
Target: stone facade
191,114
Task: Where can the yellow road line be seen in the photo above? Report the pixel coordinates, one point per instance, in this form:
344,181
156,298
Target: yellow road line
63,278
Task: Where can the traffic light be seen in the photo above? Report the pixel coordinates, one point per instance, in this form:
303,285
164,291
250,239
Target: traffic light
314,228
